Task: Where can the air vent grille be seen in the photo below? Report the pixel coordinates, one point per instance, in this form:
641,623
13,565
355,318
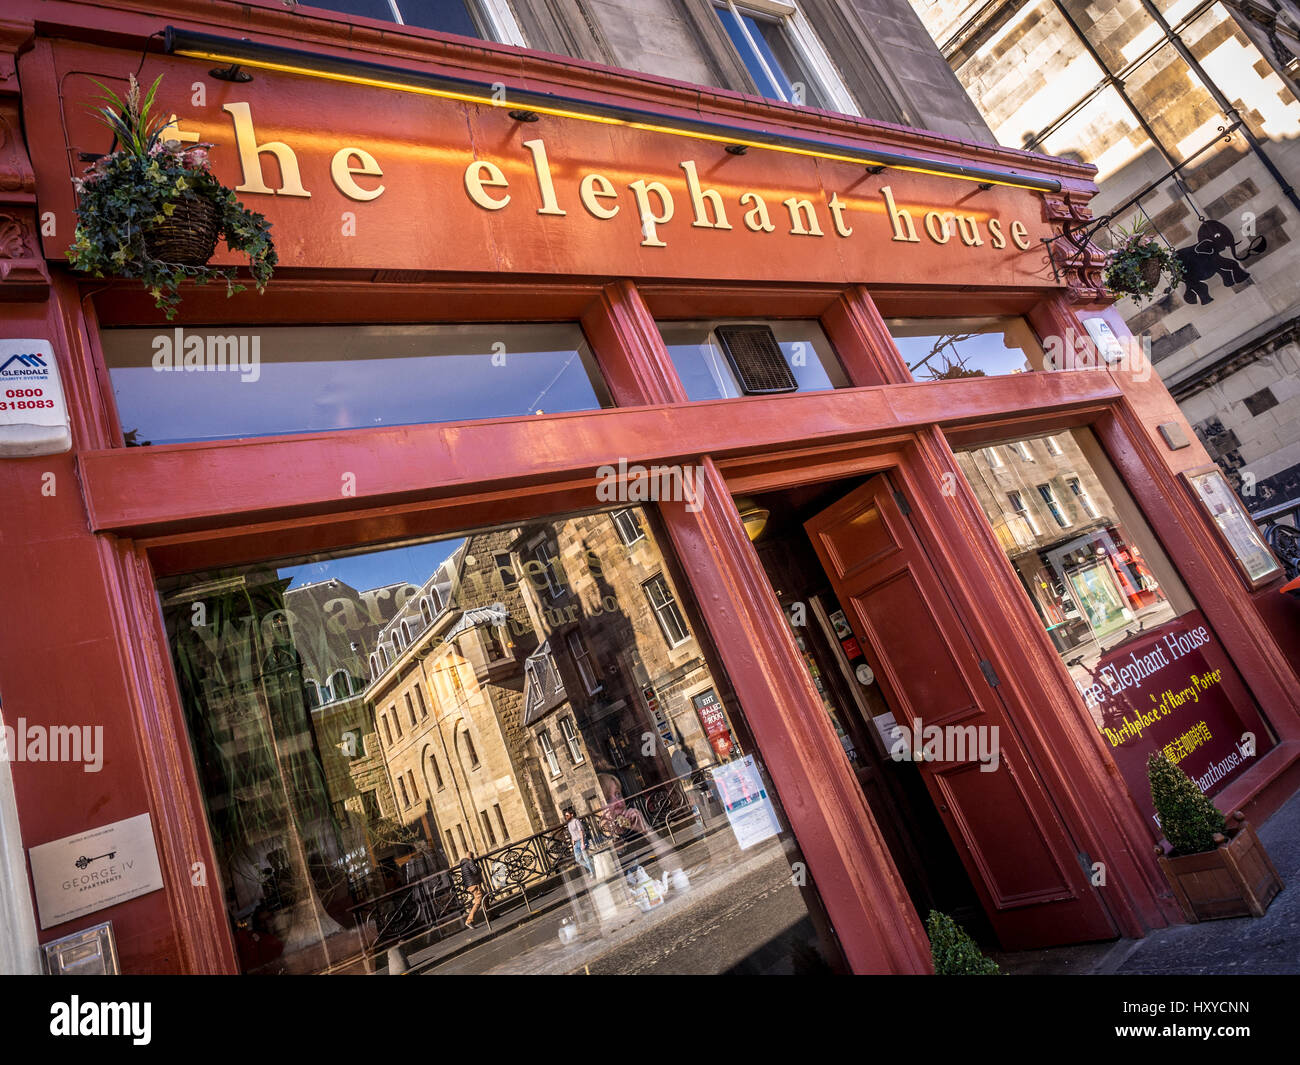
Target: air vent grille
757,358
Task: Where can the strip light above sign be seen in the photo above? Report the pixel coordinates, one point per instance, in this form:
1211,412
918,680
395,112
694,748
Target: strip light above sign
247,53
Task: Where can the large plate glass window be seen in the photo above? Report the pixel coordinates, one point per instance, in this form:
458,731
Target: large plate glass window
186,384
1148,666
573,778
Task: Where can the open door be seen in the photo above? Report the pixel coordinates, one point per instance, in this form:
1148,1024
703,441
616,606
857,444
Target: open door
1030,877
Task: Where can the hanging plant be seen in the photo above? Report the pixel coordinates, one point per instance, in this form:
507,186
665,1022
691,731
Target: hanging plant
152,209
1138,261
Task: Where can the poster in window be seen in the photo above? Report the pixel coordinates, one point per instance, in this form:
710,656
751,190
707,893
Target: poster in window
1099,597
1234,525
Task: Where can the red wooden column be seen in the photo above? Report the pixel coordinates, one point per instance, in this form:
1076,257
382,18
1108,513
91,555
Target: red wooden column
862,341
846,854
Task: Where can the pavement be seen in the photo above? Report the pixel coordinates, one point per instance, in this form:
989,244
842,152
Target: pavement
1268,945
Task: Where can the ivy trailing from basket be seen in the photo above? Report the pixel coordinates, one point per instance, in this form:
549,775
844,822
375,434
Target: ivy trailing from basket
1137,263
152,209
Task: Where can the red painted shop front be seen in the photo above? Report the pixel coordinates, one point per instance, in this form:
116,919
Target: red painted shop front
912,532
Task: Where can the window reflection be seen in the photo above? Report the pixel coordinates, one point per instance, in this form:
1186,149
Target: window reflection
938,349
280,379
534,698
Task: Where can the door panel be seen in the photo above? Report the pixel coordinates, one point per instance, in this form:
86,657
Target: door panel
1016,850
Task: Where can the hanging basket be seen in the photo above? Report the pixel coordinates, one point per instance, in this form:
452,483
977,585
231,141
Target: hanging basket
1150,270
188,237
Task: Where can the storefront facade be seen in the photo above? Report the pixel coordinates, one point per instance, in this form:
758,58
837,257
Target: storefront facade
471,537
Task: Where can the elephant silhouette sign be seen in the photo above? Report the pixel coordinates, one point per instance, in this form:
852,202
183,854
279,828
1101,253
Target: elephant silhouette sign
1215,252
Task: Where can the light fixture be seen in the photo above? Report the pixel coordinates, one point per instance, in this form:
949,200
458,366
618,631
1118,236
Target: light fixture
248,53
230,73
752,516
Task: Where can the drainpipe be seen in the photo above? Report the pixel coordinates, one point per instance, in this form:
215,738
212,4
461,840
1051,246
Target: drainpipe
1231,112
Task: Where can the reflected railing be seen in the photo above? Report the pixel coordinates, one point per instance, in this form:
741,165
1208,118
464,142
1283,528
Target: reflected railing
525,871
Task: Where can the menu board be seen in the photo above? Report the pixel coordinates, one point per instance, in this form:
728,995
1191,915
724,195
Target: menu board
1239,532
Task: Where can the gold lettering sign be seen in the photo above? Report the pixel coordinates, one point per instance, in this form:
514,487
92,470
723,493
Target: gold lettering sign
653,202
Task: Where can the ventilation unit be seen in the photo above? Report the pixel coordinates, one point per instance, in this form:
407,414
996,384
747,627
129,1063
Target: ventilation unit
757,359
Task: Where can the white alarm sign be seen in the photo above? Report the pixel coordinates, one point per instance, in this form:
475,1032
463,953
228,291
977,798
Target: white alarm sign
33,413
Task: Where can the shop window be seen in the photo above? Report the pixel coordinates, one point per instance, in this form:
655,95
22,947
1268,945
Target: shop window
272,781
1149,669
783,55
628,526
490,20
706,372
273,380
570,734
667,613
938,349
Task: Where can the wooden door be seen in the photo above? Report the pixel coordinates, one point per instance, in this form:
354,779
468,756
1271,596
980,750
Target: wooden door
1030,877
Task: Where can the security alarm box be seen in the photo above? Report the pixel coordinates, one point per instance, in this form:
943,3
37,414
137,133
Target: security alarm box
33,413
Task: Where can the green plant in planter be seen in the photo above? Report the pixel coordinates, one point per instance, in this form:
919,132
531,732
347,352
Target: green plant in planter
1138,262
953,952
1188,819
152,209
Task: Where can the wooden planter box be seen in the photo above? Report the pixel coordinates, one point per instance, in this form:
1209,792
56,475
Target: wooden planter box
1236,879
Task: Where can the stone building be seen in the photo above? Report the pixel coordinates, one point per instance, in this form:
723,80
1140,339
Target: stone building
1138,88
613,688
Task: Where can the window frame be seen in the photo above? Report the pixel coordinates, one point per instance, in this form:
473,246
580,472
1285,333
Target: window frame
670,601
548,753
803,41
583,662
569,733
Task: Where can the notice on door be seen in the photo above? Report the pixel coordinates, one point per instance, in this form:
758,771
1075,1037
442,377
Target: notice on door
95,869
1172,689
745,798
